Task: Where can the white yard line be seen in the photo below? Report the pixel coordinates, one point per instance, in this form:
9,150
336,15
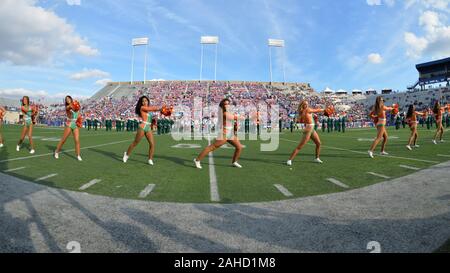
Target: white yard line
42,155
379,175
12,170
440,155
409,167
46,177
90,184
147,191
338,183
213,178
283,190
365,153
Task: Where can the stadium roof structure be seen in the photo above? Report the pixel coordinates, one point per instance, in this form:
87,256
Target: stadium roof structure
328,90
433,63
433,72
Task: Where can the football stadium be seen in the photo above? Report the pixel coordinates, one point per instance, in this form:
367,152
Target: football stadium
228,166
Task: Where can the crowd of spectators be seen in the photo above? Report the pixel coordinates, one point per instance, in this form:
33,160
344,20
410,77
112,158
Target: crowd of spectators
242,94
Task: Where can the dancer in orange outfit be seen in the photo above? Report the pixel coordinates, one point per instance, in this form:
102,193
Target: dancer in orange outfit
73,124
227,134
379,113
438,112
411,119
29,112
144,111
2,114
305,114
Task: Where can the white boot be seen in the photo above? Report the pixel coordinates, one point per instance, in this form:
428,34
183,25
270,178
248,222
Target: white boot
235,164
197,164
317,160
125,157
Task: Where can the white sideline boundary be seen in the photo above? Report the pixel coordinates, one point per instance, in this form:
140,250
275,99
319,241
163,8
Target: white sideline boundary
64,152
213,178
15,169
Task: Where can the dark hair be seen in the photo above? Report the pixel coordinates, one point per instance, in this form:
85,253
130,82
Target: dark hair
23,100
410,111
377,106
65,100
437,108
222,104
139,104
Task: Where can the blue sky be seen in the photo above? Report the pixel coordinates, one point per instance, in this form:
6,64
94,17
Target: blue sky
54,47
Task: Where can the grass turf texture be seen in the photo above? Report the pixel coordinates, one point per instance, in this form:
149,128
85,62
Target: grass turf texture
177,180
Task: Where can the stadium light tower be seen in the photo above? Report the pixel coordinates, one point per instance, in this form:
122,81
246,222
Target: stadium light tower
276,43
208,40
139,42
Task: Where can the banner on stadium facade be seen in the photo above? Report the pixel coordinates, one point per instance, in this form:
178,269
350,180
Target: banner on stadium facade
276,43
139,41
209,40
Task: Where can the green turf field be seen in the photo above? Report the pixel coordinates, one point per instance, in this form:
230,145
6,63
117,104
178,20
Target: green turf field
176,180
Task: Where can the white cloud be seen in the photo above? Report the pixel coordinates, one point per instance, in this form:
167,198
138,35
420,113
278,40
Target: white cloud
103,82
373,2
375,58
73,2
32,35
389,3
429,20
35,95
435,41
20,92
442,5
89,73
415,45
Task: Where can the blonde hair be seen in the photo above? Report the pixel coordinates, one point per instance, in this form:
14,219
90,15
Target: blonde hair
302,106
